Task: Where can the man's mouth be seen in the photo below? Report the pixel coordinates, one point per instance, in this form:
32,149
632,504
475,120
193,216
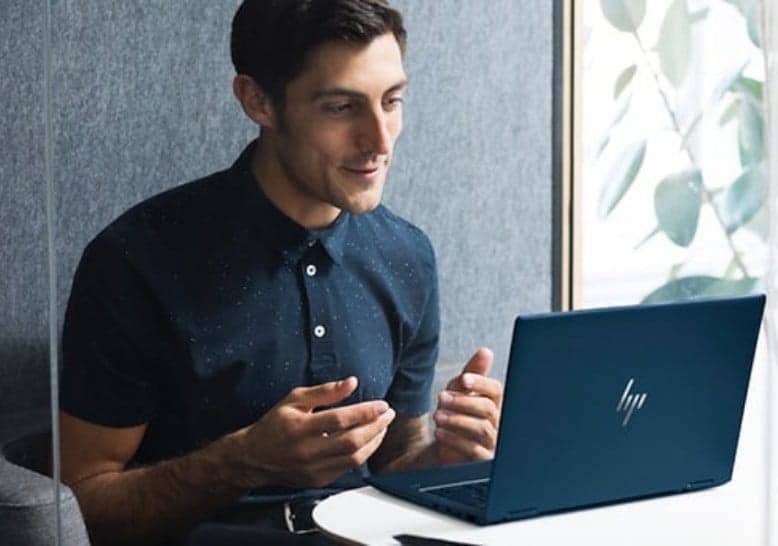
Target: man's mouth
366,169
362,170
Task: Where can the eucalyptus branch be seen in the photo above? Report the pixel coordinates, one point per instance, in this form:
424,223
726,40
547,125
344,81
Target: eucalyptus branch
707,194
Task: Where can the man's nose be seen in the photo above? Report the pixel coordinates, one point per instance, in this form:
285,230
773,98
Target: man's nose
375,137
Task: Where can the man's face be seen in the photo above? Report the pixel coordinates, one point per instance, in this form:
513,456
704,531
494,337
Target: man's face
342,116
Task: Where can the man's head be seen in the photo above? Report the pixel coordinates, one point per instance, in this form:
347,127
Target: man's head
271,39
324,79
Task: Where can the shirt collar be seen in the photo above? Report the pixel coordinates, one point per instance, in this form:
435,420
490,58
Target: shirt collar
288,237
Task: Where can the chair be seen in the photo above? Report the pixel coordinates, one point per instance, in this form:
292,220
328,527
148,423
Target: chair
27,506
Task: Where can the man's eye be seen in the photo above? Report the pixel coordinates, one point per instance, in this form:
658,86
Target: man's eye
394,102
338,108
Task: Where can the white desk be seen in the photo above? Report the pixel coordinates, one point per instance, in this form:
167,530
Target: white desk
733,514
367,516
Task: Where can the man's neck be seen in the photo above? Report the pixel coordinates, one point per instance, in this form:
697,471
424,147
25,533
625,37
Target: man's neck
275,182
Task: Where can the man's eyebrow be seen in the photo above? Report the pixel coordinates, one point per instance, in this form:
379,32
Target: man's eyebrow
345,92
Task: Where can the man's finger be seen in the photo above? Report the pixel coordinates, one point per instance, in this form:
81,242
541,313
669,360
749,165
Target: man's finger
472,451
481,431
474,406
336,420
479,364
349,461
353,440
471,383
329,469
326,394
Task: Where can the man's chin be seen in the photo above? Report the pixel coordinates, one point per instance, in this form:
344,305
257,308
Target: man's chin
363,209
362,206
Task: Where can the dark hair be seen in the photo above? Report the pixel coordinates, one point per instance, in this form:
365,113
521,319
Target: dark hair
272,38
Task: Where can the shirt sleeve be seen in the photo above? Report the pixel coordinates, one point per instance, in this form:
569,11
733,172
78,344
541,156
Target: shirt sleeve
409,393
114,338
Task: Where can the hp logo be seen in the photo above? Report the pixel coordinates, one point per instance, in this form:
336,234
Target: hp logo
630,402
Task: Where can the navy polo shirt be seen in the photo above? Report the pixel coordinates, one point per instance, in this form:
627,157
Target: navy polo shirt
199,309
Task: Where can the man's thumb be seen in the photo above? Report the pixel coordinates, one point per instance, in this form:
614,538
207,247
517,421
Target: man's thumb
325,394
480,363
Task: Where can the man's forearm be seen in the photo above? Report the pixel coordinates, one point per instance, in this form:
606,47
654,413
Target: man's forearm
148,504
419,456
407,446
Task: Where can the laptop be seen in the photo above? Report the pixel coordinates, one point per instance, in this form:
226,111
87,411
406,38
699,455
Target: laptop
603,406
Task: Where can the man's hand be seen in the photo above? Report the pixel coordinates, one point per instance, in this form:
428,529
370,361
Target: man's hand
293,445
468,413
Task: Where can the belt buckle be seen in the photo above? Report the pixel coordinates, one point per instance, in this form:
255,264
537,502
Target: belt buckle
298,516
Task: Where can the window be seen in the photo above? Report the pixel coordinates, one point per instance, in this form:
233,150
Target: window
673,180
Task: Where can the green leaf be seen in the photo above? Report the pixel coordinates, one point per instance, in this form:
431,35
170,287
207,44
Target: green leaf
683,288
677,202
621,111
621,176
624,79
759,224
754,89
622,107
753,24
625,15
603,143
743,198
674,44
700,286
727,287
731,112
728,82
750,134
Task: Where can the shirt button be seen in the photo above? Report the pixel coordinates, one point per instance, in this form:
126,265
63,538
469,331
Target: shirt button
310,270
311,242
319,331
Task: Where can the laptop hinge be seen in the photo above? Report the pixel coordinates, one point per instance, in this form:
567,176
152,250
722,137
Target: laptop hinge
700,484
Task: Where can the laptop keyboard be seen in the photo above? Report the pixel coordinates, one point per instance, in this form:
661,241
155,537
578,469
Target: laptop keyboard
472,493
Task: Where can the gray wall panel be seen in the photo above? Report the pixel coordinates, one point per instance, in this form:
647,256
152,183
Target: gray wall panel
145,104
24,378
474,164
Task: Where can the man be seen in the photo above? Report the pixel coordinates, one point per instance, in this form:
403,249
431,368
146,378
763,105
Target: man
270,329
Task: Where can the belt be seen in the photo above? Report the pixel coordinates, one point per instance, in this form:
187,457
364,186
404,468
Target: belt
298,515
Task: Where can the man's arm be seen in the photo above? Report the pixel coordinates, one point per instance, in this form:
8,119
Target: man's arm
287,446
147,504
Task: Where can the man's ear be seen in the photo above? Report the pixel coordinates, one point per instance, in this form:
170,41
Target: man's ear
255,102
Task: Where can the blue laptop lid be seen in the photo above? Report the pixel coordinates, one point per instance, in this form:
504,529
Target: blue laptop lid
611,404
